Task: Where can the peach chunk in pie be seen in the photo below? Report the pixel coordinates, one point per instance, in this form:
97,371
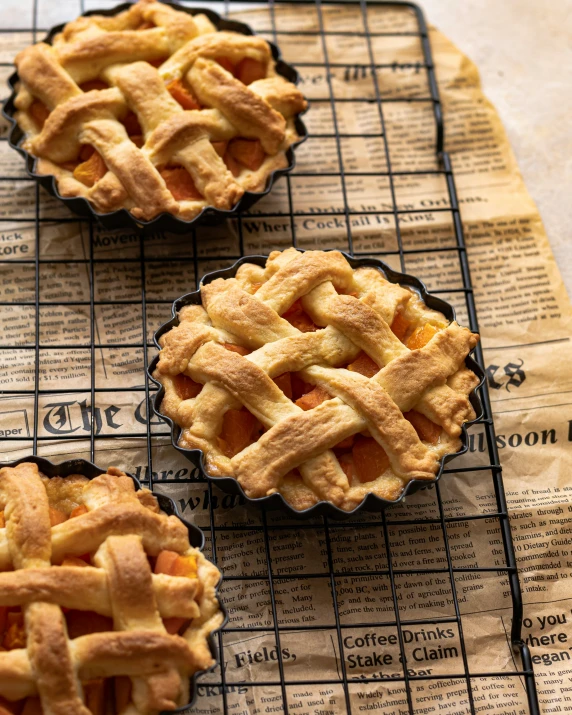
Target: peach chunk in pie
316,380
153,110
105,607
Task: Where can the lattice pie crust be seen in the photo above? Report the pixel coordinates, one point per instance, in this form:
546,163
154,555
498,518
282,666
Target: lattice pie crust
180,116
316,380
97,629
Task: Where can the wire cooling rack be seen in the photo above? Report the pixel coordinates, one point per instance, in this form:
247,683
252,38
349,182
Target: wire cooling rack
38,305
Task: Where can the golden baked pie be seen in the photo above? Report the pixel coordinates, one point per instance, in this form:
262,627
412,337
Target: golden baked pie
316,380
104,605
155,111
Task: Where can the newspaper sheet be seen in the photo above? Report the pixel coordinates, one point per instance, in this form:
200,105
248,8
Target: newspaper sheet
525,317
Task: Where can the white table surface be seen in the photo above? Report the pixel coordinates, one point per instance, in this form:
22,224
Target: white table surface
523,49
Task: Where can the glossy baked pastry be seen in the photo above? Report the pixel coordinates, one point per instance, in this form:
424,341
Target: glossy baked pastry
104,605
316,380
154,110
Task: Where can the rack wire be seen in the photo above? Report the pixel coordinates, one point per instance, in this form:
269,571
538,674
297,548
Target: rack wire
267,527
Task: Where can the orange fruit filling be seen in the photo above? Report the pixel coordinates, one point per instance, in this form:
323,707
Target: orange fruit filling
91,171
82,623
122,687
364,365
237,349
313,399
183,566
239,429
15,632
232,164
93,84
342,291
94,692
250,70
399,326
39,113
57,517
174,624
173,564
299,387
8,707
220,147
346,443
32,706
158,62
349,468
185,387
74,561
298,318
182,95
131,124
78,511
180,183
428,431
370,459
226,64
284,382
85,152
248,152
165,561
421,336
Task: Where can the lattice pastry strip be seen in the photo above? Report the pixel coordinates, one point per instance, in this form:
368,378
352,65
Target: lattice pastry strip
120,528
412,404
158,70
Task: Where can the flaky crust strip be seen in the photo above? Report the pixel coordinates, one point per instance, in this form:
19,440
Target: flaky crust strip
432,379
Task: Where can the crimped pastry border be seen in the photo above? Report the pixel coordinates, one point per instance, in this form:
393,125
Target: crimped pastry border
165,221
169,506
371,502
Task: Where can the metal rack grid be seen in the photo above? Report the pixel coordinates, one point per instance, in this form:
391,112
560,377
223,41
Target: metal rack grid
383,522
